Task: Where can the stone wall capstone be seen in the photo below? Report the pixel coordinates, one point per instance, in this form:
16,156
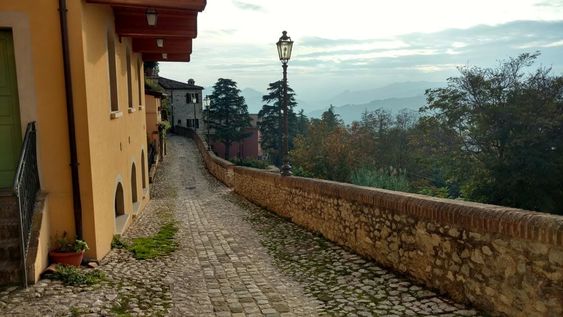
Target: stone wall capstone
503,260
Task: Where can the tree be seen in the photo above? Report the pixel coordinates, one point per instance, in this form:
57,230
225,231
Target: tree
326,151
271,120
509,125
228,114
302,126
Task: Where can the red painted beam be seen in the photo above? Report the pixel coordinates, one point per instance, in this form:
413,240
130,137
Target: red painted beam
193,5
132,22
171,45
173,57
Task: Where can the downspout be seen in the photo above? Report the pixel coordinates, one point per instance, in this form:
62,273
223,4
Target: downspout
76,202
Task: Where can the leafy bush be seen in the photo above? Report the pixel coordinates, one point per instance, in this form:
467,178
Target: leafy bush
65,244
385,178
117,243
72,275
250,163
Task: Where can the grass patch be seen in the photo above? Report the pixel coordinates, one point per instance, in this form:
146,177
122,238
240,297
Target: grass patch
72,275
120,308
117,243
162,243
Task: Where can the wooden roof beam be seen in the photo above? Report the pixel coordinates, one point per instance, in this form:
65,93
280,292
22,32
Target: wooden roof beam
132,22
171,45
171,57
193,5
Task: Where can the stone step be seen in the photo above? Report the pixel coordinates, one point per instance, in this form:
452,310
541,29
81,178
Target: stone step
10,250
10,273
8,205
9,229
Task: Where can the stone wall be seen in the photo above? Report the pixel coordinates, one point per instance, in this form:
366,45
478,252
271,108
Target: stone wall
218,167
505,261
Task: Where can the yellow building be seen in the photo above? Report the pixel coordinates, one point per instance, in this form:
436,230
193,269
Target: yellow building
155,140
72,77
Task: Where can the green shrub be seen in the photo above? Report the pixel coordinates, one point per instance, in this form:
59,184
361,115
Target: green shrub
117,243
72,275
250,163
385,178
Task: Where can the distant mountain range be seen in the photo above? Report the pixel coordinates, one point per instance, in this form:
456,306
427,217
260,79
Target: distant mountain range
349,113
395,90
351,104
253,99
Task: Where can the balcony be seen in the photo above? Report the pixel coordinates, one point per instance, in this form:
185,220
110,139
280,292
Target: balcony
169,35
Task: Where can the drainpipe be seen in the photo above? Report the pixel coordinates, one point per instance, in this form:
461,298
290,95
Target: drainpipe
77,204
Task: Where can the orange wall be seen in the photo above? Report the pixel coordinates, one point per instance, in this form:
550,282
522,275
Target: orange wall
115,143
39,64
107,148
153,117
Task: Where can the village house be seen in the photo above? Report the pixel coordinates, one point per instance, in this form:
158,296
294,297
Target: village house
73,121
185,104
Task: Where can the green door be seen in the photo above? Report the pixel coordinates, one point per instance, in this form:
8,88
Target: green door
10,128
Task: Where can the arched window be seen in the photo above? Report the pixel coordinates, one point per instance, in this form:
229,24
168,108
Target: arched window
143,166
133,183
119,201
112,73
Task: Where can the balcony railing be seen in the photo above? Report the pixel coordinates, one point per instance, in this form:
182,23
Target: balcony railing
26,187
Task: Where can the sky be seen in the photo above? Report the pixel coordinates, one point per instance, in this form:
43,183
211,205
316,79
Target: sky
365,44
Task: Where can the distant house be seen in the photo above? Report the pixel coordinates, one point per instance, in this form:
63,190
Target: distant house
185,104
249,148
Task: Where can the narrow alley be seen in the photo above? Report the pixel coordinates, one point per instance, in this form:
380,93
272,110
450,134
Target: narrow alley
233,259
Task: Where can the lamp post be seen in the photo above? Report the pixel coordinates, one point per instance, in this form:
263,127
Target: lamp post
207,104
194,101
285,44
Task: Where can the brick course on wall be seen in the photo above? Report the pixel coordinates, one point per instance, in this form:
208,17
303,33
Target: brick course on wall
503,260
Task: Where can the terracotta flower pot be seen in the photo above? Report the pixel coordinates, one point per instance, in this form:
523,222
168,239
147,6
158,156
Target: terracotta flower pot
68,258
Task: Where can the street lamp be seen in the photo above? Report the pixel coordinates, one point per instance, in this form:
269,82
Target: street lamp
285,44
194,101
152,16
207,104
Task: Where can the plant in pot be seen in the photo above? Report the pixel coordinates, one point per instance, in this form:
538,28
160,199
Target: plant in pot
68,251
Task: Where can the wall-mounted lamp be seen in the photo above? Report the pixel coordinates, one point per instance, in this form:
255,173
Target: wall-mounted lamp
159,42
152,16
164,56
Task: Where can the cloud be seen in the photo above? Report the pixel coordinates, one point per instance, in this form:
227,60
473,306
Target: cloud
322,65
553,4
247,6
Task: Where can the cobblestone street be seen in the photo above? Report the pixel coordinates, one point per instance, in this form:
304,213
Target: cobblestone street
233,259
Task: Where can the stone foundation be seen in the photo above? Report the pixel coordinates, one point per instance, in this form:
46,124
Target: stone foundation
503,260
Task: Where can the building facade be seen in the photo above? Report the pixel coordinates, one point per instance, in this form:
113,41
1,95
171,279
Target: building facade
186,102
75,76
248,148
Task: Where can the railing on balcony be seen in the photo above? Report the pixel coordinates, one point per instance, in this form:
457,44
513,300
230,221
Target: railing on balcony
26,187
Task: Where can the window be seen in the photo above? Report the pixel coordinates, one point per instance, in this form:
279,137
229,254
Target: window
143,176
112,73
140,80
129,80
119,205
133,183
196,123
192,98
189,123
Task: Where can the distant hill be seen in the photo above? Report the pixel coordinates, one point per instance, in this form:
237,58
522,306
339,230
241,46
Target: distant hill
352,112
253,99
395,90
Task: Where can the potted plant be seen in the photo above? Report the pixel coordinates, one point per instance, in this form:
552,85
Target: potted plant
68,251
